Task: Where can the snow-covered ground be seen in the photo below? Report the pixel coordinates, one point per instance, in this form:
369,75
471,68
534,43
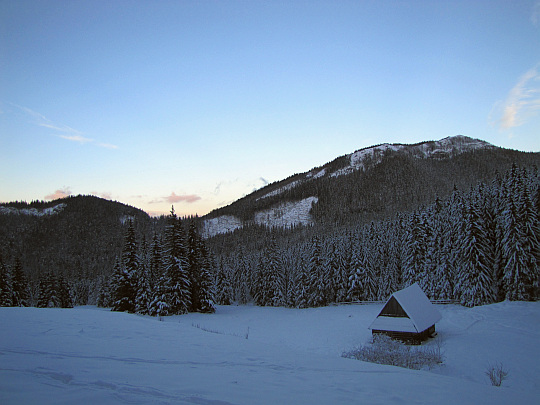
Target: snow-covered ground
89,355
285,215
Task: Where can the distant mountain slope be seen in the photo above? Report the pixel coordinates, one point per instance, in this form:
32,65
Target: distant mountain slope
369,184
72,236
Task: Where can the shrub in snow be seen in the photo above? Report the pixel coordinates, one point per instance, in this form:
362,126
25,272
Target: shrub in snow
385,350
497,374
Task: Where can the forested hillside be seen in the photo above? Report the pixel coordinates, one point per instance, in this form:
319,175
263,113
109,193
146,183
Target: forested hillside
458,216
373,184
477,246
77,238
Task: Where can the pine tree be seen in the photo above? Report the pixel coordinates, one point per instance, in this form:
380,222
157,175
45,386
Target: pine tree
21,294
520,245
317,276
125,274
104,299
261,288
176,267
160,304
474,285
6,287
223,286
193,259
206,287
156,262
276,296
65,299
416,249
242,277
48,296
143,297
333,273
301,290
358,275
123,289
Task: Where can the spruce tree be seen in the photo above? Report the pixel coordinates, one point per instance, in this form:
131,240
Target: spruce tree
48,296
21,295
160,304
156,261
223,286
6,288
143,297
176,267
274,269
357,290
317,276
194,267
65,299
301,289
125,274
474,285
206,286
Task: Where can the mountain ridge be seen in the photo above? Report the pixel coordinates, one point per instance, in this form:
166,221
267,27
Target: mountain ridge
297,188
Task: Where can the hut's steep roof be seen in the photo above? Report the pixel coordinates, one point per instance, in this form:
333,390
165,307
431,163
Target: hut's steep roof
421,312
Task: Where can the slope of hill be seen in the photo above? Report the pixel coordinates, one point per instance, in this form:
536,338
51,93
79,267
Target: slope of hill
370,184
72,236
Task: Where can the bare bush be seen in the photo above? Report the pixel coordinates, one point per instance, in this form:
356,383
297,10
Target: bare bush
497,374
385,350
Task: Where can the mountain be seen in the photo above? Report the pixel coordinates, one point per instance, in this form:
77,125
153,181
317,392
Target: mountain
74,236
369,184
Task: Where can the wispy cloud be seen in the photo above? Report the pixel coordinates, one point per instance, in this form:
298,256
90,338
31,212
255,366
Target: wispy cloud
60,193
76,138
522,102
107,145
66,132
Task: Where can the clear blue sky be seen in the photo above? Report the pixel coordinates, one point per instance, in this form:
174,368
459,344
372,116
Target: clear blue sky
196,103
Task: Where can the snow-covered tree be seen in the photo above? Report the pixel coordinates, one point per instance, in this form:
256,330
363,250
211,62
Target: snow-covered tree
48,292
317,277
124,284
474,283
21,295
224,293
176,267
6,288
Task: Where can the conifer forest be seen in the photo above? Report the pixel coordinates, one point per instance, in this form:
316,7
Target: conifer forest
475,247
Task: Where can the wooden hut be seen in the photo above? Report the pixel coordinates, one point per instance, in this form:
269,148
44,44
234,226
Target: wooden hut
408,315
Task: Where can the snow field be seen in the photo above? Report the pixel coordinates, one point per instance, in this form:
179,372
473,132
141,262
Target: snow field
291,356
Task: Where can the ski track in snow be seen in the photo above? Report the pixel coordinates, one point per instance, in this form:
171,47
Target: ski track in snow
88,355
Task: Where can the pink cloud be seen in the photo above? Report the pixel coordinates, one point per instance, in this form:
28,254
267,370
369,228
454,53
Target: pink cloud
61,193
173,198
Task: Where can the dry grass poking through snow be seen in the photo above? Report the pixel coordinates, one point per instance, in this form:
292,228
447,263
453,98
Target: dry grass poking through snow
384,350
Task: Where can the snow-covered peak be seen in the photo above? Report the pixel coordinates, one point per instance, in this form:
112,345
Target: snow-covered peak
446,147
32,211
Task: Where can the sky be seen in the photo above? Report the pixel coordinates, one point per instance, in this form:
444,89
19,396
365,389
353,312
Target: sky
198,103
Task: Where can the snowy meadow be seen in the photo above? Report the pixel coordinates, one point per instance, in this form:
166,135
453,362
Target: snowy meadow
258,355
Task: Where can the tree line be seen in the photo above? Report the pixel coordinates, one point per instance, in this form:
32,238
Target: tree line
172,277
475,247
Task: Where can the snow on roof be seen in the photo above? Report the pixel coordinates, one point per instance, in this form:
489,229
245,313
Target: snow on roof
420,310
